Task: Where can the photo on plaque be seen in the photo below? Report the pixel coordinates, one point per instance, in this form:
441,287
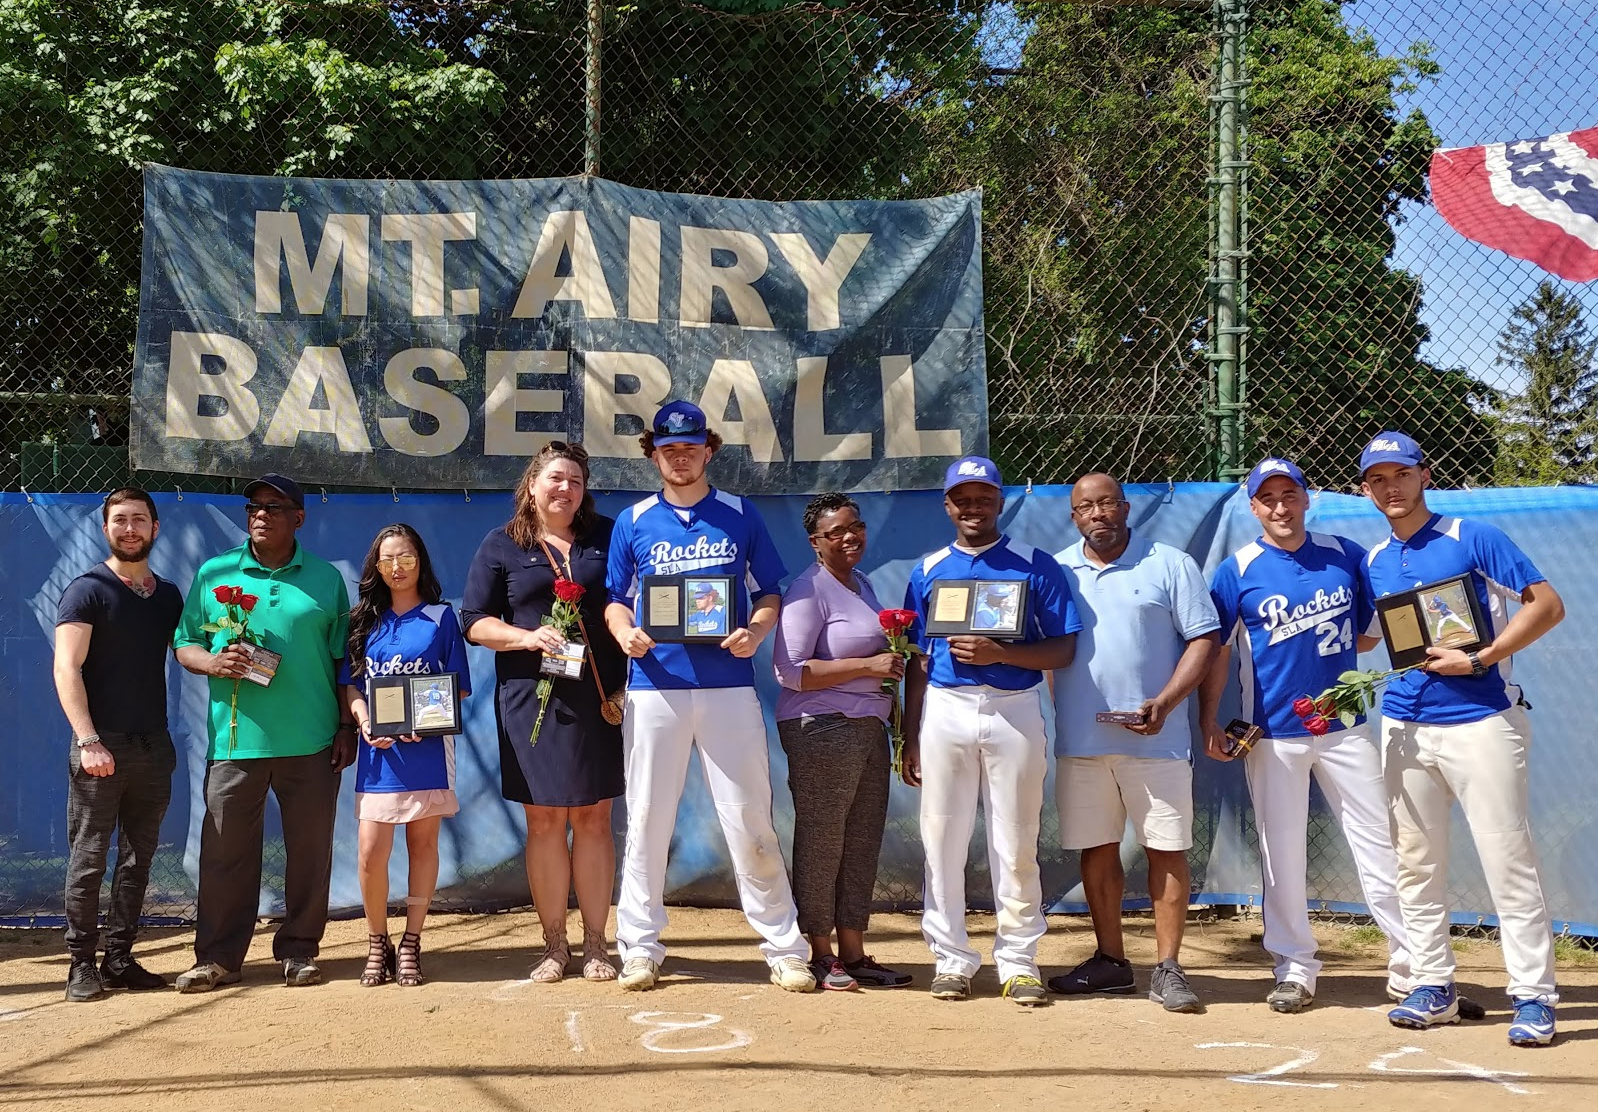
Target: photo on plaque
425,705
678,608
984,607
707,612
1444,614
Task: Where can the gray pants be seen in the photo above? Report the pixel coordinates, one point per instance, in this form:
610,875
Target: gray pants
838,772
230,855
131,801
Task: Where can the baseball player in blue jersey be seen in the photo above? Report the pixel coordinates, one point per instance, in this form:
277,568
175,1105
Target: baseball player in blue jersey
1292,604
1457,730
974,729
682,695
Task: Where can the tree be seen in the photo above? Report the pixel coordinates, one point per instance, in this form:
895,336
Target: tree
1548,433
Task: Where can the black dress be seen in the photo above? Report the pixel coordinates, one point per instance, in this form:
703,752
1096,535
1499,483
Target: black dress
578,758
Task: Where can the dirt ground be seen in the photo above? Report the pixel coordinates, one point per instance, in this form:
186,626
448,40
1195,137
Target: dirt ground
715,1034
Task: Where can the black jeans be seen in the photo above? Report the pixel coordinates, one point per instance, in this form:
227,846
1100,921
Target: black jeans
131,802
230,855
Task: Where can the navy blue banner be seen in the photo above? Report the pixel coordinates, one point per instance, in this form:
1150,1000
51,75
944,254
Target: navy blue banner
435,334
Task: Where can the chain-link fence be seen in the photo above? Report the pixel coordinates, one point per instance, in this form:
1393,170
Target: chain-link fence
1181,245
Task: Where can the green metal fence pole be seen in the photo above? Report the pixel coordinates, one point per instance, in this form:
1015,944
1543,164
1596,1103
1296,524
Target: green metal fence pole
1228,331
596,22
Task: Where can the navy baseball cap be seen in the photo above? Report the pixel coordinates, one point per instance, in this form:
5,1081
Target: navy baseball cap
972,469
1269,468
284,485
1391,447
679,423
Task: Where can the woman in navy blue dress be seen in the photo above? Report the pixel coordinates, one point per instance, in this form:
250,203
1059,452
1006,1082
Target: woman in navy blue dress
572,772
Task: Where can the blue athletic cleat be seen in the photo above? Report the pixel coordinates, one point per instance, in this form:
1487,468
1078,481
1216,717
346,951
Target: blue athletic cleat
1427,1006
1533,1024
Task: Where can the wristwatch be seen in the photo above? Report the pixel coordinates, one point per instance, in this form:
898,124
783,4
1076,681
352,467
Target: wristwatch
82,742
1477,668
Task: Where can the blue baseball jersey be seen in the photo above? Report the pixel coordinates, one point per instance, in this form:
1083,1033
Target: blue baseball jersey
1499,572
1050,610
721,534
423,641
1293,618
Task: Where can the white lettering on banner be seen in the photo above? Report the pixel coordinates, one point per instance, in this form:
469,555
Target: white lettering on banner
565,232
279,237
643,269
1282,621
341,416
901,437
700,275
187,382
666,558
505,399
397,665
427,233
822,279
399,379
603,401
811,440
736,378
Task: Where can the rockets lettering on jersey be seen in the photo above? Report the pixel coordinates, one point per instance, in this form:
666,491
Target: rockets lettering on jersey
666,558
1281,620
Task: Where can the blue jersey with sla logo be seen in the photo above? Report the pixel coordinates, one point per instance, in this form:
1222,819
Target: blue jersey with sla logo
1292,618
721,534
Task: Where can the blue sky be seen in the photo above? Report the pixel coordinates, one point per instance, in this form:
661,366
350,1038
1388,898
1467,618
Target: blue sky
1511,69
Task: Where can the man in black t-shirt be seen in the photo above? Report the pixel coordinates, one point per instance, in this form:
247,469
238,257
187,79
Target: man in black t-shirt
113,630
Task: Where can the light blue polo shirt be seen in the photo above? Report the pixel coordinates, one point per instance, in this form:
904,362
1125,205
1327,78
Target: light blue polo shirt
1138,614
1499,571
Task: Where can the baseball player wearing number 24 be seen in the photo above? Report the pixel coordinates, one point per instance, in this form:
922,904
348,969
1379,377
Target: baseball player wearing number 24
974,726
1292,605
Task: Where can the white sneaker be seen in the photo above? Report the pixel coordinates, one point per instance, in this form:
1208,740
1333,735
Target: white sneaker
792,974
638,975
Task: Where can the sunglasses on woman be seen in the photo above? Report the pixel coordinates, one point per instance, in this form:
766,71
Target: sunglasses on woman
404,562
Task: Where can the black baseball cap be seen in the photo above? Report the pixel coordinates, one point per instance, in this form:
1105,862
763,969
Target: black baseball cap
284,485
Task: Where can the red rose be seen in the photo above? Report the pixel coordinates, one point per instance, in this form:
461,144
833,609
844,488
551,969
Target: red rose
1304,706
223,594
1327,707
247,602
238,596
896,621
1317,725
568,591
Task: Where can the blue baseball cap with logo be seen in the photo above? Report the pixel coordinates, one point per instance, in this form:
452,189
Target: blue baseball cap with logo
679,423
1269,468
972,469
1391,447
704,590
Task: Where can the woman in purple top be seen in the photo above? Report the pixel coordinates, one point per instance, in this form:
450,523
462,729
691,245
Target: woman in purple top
831,657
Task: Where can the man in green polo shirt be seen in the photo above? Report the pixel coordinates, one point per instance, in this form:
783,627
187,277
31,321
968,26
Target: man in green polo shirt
286,737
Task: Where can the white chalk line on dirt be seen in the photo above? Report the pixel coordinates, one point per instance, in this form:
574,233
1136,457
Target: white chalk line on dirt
662,1027
1382,1064
573,1032
1272,1076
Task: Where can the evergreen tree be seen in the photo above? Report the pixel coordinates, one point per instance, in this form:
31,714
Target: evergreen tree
1548,433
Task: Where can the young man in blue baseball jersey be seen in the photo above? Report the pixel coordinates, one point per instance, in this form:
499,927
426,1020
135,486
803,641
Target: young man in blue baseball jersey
1457,729
1293,604
1150,631
974,729
682,695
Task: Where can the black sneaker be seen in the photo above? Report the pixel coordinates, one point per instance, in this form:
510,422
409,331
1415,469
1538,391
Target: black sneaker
121,971
299,972
83,981
1168,986
868,974
1100,974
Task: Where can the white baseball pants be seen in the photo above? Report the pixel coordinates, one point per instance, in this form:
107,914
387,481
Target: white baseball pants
658,733
1350,774
1483,765
981,742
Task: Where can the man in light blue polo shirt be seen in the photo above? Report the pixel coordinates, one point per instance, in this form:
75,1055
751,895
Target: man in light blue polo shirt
1457,729
1149,632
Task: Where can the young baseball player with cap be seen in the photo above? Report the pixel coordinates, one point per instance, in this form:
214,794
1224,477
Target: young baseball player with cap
682,695
974,728
1293,604
1457,729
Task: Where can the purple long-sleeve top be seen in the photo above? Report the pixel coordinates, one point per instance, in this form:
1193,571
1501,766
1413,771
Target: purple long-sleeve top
822,619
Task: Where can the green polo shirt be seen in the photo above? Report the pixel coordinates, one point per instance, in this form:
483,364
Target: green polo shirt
304,614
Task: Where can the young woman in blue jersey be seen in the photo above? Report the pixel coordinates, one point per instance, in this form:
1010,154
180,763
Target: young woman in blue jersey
573,772
400,625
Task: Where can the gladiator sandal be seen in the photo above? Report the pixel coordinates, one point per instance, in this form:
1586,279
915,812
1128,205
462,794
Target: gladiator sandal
379,961
596,961
551,967
409,972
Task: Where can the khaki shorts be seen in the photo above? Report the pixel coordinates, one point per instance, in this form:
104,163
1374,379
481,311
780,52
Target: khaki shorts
1096,795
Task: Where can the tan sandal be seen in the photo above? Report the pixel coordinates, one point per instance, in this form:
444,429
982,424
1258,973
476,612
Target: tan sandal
596,959
551,967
